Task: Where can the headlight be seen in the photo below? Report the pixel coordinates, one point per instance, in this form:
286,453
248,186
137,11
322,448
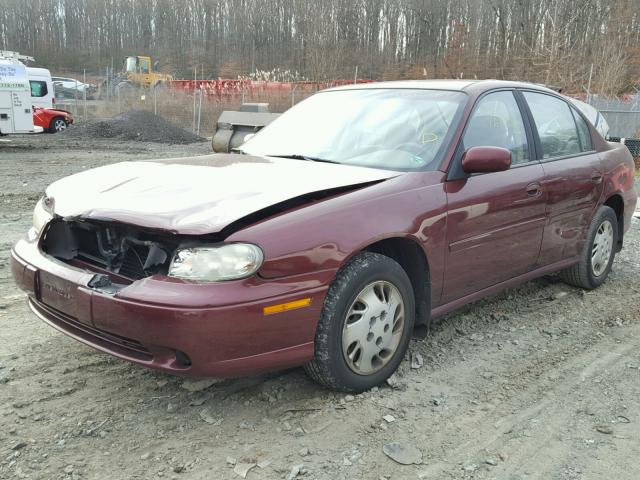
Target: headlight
41,216
217,262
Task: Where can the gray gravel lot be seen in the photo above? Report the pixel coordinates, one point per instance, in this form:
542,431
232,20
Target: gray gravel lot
539,382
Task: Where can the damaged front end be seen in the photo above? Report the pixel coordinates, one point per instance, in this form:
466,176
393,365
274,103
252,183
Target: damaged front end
120,254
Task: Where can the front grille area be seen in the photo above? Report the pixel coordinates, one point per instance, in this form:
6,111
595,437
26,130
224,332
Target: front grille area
108,341
121,250
133,262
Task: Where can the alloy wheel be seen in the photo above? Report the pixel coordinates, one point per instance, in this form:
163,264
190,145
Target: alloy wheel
59,125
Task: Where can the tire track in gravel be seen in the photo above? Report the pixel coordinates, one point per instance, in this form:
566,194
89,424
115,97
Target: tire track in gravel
488,432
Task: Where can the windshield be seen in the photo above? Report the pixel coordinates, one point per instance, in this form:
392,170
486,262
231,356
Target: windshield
395,129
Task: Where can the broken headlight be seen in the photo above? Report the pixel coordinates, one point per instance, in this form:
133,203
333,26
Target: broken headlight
41,216
216,263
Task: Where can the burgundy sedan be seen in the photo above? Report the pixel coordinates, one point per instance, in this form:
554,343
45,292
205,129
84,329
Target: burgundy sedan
359,213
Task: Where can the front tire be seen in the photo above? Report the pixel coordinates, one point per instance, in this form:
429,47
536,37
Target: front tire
365,326
595,262
58,125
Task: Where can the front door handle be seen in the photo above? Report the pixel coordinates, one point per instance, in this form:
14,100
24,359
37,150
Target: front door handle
534,190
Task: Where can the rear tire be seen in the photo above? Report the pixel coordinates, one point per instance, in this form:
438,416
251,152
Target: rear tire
595,262
365,326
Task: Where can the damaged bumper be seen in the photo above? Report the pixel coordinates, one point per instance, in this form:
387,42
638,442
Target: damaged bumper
214,329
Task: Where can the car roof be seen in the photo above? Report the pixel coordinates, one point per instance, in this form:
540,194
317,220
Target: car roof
475,86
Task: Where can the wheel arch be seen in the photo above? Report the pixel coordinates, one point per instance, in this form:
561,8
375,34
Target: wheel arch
616,203
412,258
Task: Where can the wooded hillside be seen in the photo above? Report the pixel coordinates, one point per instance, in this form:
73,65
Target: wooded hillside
550,41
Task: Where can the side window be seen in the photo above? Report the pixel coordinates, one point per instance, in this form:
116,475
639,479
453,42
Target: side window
38,88
497,122
584,135
555,123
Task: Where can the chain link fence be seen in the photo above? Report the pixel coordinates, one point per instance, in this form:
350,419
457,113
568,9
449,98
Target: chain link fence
193,109
622,114
196,107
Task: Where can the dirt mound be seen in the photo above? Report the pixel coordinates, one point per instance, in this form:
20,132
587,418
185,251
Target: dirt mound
137,125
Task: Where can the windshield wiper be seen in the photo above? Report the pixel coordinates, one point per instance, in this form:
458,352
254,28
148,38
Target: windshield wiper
297,156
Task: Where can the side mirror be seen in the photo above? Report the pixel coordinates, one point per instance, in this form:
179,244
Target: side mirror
486,159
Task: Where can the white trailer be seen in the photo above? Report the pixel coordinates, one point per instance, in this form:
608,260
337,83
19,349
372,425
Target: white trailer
16,115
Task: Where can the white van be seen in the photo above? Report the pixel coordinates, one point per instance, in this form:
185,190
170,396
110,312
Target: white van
16,115
42,91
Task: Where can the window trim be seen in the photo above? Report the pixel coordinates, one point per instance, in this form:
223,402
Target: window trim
534,127
455,168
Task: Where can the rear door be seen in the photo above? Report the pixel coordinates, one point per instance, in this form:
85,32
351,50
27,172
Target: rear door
6,113
495,220
573,175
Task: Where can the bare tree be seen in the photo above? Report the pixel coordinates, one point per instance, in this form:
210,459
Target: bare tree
551,41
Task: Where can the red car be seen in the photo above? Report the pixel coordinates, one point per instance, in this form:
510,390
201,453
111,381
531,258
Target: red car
52,120
359,213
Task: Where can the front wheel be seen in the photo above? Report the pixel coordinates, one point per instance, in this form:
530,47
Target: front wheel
595,262
365,325
58,125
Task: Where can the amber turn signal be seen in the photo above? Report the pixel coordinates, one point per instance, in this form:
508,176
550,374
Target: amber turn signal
283,307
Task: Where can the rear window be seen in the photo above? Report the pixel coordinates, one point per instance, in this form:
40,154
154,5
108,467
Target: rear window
584,135
38,88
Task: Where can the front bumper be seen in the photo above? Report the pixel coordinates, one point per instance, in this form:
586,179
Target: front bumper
181,327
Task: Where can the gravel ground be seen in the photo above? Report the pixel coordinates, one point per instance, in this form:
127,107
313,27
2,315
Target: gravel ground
540,382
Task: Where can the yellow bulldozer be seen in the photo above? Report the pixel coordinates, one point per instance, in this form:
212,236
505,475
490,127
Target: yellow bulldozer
138,72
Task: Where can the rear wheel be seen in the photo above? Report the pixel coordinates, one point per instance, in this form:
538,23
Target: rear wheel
58,125
595,263
365,326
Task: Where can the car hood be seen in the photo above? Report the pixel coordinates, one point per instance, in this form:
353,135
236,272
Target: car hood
197,195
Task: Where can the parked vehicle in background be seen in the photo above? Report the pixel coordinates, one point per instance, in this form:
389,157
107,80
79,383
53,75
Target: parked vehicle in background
66,87
42,90
353,216
15,99
52,120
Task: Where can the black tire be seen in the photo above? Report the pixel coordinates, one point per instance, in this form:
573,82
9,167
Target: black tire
582,273
58,125
329,367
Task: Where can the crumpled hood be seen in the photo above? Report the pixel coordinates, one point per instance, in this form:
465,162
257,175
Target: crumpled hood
197,195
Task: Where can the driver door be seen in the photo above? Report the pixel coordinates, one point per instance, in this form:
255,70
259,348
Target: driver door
495,220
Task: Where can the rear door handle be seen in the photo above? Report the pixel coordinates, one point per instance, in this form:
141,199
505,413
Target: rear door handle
534,189
596,178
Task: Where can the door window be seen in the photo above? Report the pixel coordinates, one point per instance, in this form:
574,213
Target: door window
555,123
497,122
38,88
